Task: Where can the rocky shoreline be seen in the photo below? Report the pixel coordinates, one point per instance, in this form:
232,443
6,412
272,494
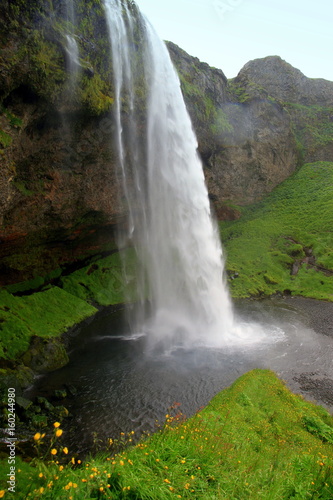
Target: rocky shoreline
313,385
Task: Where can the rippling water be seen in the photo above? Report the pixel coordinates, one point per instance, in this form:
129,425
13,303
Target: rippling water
123,387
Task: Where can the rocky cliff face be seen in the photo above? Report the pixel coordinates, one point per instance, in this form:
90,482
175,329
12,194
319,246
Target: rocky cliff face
308,101
284,82
264,123
59,196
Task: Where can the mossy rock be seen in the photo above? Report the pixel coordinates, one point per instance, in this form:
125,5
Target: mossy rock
19,378
44,314
45,355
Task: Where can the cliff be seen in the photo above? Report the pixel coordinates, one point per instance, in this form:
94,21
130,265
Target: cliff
309,102
256,129
59,196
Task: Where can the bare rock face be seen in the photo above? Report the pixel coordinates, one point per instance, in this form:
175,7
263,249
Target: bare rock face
260,153
286,83
308,101
246,141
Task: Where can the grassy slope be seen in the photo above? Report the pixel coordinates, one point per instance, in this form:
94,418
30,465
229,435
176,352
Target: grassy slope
253,440
294,220
50,312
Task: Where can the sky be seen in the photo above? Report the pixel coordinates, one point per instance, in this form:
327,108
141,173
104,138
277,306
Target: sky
228,33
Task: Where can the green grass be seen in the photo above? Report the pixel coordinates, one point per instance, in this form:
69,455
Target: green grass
254,440
44,314
103,282
50,312
293,222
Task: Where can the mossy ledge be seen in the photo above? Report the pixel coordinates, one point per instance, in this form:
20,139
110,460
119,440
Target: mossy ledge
33,324
253,440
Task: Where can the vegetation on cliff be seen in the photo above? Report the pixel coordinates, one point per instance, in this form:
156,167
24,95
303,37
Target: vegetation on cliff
283,244
253,440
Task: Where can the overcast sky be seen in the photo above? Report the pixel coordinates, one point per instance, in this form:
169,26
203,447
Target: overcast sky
229,33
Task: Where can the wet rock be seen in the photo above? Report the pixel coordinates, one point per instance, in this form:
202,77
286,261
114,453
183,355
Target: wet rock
45,355
71,389
23,402
45,404
60,393
19,377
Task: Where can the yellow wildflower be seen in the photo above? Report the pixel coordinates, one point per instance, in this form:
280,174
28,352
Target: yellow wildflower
54,451
2,493
37,437
56,425
58,432
65,450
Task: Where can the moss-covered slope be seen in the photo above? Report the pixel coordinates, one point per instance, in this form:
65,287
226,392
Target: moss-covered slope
26,315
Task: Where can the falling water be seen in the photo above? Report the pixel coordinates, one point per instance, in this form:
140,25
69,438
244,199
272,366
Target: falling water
71,47
170,222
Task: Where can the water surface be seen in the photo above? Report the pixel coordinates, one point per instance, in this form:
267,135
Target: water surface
122,386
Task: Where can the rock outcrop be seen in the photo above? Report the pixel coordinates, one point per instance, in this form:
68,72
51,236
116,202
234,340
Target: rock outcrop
285,83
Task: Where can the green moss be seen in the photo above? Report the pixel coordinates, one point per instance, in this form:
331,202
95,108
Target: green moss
47,74
291,223
312,125
102,282
50,312
94,94
5,139
21,186
221,123
238,92
13,120
43,314
206,113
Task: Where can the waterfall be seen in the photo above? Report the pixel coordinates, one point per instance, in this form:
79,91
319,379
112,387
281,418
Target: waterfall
71,47
170,222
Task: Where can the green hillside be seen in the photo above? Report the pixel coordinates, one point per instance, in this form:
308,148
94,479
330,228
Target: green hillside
284,244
